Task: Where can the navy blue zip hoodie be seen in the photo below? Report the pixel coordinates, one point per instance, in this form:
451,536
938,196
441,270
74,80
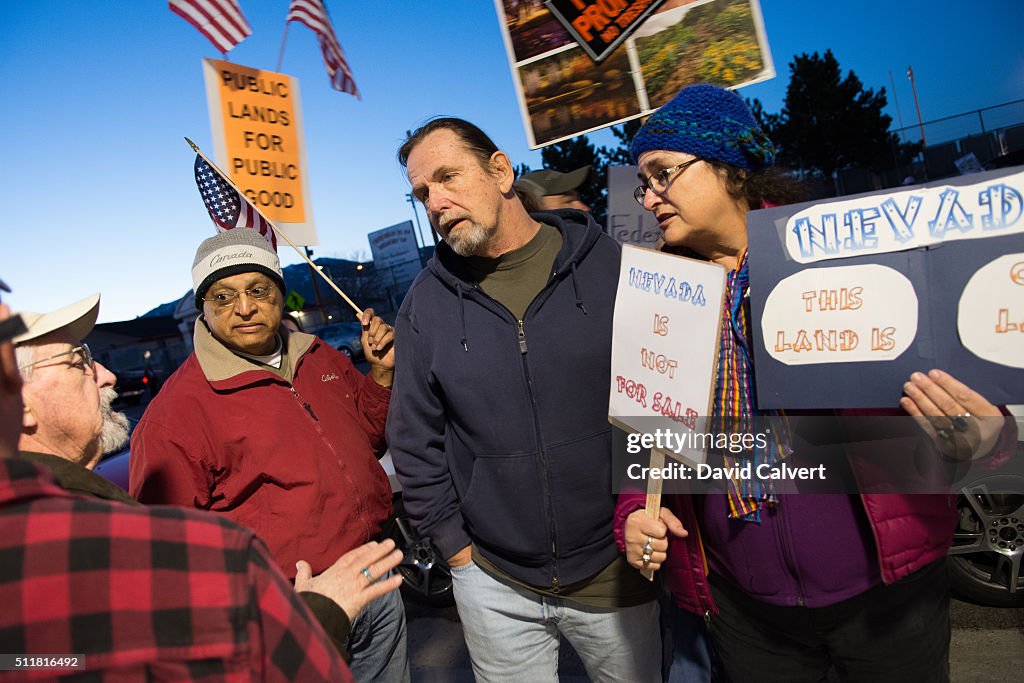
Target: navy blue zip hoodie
498,428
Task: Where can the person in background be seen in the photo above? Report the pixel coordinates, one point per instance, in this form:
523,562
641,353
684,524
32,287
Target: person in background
283,434
791,585
560,190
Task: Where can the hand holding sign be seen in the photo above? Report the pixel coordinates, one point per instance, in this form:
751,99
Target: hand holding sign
951,409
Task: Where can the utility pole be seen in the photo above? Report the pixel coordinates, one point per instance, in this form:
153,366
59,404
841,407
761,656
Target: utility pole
412,200
913,87
316,287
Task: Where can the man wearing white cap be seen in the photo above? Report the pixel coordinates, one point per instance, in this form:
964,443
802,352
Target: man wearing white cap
277,431
67,422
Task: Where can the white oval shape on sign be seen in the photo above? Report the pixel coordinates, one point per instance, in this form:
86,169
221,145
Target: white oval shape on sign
840,315
990,315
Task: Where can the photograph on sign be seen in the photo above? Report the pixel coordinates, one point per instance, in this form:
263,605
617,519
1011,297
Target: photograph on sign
851,296
722,42
665,339
566,92
256,122
532,29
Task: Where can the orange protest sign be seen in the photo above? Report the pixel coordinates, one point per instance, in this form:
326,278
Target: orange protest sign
257,134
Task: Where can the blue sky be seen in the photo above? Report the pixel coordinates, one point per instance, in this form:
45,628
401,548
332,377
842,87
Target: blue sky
97,181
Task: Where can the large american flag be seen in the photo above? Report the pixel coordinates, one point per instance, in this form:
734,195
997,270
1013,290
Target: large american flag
221,21
228,208
313,13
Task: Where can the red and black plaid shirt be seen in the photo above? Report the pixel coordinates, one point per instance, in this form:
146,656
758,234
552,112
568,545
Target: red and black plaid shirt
146,593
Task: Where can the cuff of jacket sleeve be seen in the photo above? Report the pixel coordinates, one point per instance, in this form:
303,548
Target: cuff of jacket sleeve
332,618
627,505
376,391
450,536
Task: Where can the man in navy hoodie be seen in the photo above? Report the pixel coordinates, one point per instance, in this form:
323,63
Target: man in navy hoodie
498,423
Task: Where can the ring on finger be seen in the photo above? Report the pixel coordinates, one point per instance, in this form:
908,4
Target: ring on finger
365,571
647,548
960,421
647,560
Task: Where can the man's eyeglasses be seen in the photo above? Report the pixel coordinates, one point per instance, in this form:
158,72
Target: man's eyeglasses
82,350
228,298
658,182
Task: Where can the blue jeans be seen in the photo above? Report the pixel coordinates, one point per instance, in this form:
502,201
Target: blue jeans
687,658
512,633
377,642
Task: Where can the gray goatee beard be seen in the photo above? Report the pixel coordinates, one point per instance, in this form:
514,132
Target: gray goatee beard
468,238
115,425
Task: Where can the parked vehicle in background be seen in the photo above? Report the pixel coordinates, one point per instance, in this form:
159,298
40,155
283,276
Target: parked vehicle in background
985,562
345,337
132,388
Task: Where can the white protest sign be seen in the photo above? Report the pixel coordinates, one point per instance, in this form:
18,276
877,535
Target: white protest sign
628,222
880,223
990,314
665,341
840,315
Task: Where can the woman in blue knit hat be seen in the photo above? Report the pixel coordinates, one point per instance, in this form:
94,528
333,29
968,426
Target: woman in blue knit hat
790,586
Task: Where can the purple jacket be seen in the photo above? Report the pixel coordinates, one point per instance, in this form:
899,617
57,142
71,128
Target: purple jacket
910,531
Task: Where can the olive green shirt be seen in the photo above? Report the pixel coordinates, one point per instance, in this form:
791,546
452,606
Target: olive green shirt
515,278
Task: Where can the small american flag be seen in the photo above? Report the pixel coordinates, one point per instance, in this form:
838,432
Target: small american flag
228,208
221,21
313,13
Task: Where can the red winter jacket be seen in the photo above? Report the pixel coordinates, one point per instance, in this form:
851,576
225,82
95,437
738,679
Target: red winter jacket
295,462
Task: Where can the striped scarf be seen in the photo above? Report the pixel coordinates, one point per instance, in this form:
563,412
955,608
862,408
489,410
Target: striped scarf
734,408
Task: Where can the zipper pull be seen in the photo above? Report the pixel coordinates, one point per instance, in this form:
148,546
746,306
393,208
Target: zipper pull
309,408
554,584
522,338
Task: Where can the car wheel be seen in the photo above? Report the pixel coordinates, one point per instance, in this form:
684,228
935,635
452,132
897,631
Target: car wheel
426,577
988,544
347,351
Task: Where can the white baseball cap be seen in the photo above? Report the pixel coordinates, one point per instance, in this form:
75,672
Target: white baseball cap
78,319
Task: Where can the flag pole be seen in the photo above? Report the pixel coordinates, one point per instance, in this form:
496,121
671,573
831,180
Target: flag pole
284,39
278,230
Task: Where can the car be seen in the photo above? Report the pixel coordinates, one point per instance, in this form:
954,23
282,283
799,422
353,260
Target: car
986,559
346,337
131,387
988,544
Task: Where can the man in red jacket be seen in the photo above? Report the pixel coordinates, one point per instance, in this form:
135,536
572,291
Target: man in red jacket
277,431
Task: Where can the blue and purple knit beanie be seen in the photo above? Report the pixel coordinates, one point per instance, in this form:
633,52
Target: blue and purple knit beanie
709,122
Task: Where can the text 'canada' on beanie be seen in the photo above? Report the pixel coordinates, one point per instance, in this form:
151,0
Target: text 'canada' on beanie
241,250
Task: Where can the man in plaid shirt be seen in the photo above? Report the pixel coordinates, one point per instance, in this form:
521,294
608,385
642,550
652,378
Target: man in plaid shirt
135,593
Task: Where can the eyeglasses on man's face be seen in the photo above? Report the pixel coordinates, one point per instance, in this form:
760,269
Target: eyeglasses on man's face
658,182
82,351
227,297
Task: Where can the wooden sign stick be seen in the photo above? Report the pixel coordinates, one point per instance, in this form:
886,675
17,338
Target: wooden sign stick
653,507
278,230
